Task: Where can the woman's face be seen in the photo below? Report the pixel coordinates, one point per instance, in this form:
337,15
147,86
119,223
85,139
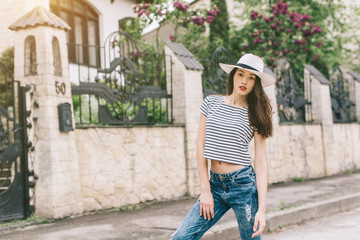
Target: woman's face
244,82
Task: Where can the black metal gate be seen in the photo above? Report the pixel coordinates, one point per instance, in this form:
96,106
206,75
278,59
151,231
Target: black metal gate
14,185
133,87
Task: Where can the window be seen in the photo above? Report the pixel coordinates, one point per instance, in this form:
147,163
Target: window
30,56
56,57
83,38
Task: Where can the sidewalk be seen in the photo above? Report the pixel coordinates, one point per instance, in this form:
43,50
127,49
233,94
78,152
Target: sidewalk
287,203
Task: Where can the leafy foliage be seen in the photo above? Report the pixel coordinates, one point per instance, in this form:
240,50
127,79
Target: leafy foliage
188,24
282,33
323,49
219,29
7,58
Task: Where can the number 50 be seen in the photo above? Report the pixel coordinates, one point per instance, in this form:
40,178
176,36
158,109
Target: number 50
60,88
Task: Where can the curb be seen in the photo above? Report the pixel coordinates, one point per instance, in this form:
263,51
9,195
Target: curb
311,210
229,230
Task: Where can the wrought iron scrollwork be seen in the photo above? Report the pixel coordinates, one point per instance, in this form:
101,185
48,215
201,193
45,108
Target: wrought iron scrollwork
14,188
341,102
290,93
6,124
214,78
135,84
8,142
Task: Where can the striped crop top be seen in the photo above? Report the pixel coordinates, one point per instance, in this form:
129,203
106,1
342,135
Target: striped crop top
228,131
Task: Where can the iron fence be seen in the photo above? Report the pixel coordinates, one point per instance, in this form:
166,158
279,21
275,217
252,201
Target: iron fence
213,77
130,87
290,94
342,97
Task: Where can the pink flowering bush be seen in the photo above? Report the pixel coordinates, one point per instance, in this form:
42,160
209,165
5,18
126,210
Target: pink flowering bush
282,34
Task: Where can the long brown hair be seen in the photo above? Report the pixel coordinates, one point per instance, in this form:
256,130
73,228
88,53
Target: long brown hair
259,110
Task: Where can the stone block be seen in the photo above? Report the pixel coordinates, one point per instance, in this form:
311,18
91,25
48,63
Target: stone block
129,198
90,204
61,212
100,182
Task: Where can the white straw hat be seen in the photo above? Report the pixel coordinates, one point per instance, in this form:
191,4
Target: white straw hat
253,64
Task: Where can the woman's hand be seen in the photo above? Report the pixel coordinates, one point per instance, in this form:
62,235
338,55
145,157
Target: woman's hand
260,221
207,205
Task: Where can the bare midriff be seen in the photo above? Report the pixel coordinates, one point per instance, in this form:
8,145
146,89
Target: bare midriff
224,167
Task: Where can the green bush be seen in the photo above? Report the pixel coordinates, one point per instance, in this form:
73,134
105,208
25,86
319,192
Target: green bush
306,31
7,72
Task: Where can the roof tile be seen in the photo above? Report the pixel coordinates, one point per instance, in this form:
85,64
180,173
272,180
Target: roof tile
186,57
39,16
354,75
317,74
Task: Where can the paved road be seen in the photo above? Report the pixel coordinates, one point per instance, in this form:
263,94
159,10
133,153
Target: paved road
340,226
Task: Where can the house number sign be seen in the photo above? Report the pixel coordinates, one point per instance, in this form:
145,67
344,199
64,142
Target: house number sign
60,88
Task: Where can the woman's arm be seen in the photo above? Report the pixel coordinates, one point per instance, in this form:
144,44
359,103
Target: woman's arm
260,165
206,198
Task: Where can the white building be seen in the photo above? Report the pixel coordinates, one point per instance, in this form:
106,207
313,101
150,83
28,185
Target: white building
91,21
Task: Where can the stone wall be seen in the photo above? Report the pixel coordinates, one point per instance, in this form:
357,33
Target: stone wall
298,151
128,165
120,166
295,151
346,146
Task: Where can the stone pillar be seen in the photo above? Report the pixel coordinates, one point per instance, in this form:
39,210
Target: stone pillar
271,93
55,160
322,113
187,97
273,150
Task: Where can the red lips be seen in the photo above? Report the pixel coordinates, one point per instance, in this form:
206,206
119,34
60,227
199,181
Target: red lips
242,88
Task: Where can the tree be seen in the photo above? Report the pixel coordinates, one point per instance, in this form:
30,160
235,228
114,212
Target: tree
327,15
286,32
7,58
219,29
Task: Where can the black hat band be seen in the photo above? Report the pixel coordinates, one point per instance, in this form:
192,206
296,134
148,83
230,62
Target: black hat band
246,66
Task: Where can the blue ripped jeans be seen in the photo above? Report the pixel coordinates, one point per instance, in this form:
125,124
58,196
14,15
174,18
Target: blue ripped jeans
236,190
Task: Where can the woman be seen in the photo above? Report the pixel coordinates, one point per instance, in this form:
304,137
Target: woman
227,125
